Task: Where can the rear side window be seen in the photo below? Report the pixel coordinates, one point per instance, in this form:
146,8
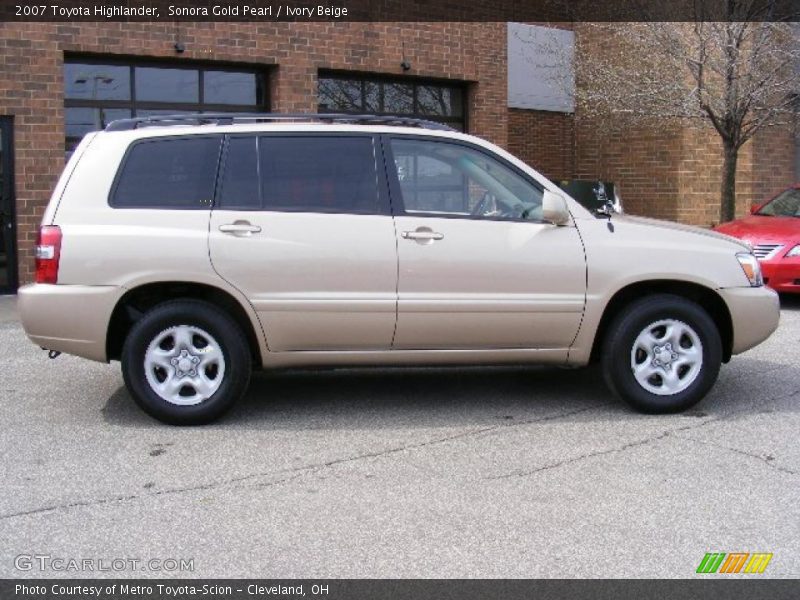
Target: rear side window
168,173
301,174
318,174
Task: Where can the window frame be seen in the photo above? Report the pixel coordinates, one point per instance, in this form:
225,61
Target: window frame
383,207
396,193
133,105
127,155
415,82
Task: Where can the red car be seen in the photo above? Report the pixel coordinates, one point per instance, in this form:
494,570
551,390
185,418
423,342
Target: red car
773,230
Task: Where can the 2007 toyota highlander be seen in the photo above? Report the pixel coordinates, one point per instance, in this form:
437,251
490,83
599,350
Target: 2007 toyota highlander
196,248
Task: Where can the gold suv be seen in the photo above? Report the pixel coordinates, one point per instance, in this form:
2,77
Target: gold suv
196,248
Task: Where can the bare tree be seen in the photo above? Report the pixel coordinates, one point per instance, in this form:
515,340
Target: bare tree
739,76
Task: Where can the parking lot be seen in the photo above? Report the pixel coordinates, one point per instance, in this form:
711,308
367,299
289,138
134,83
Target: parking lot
500,472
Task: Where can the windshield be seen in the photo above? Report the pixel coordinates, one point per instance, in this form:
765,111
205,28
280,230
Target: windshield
786,204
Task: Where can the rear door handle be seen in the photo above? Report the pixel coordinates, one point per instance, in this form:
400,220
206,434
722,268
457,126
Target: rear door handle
241,228
422,235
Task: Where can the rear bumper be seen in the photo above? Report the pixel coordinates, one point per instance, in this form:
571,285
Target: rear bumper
783,274
69,318
755,312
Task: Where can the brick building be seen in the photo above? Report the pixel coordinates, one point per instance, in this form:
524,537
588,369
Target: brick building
60,80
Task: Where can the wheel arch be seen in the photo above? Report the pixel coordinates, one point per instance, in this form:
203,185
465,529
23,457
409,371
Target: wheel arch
704,296
137,301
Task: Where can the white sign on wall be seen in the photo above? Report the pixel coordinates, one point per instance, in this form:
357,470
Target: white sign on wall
540,72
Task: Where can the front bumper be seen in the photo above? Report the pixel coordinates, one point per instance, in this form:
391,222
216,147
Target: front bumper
755,312
782,274
68,318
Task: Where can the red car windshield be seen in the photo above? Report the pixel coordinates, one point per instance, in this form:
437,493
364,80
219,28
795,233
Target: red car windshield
786,204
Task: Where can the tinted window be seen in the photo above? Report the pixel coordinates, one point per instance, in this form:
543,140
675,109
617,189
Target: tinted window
96,93
240,179
224,87
79,121
167,85
175,173
96,82
436,100
398,98
340,95
453,179
390,96
318,174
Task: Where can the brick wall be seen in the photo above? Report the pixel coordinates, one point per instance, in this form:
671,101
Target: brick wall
31,79
670,170
675,172
642,161
543,139
774,162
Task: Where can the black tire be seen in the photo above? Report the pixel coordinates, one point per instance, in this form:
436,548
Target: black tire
618,346
235,374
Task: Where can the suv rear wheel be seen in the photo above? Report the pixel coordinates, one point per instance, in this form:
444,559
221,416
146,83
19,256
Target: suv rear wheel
185,362
662,354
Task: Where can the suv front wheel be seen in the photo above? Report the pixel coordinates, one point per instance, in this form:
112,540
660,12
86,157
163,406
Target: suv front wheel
185,362
662,354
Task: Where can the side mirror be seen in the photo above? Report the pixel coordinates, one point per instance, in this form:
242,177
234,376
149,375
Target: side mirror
554,208
754,208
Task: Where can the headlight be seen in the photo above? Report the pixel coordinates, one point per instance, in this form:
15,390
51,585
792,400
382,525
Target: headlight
751,268
793,252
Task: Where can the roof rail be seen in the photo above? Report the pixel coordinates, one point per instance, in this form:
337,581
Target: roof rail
233,118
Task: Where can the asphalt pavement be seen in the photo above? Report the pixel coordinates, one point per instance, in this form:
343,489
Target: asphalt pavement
494,472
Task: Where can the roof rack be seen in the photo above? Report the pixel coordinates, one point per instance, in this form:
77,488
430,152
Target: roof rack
233,118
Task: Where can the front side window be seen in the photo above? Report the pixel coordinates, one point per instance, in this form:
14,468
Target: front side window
170,174
442,178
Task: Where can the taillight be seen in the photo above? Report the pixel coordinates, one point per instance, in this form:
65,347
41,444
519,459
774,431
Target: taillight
48,252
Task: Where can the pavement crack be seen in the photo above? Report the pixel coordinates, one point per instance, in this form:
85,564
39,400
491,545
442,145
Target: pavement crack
649,440
614,450
443,440
293,473
766,460
582,457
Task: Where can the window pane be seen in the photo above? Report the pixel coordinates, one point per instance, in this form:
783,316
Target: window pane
372,97
398,98
222,87
441,177
160,112
240,180
80,121
326,174
441,101
167,85
169,174
96,82
429,184
340,95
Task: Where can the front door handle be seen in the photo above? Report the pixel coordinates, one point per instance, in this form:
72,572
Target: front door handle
240,228
423,235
